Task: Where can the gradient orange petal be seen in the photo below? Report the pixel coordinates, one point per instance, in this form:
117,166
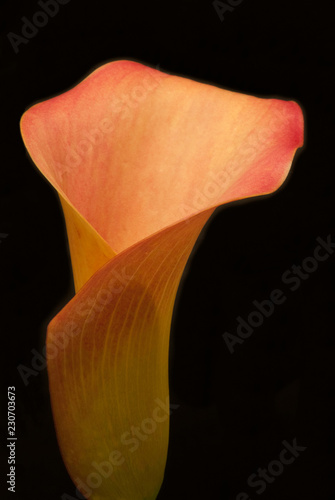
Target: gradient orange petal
111,375
134,150
161,153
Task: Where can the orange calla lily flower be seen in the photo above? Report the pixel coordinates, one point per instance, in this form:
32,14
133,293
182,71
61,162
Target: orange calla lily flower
140,160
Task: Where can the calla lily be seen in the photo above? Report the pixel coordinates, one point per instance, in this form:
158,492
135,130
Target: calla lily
140,160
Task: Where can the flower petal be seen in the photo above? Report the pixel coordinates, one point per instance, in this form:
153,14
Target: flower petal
140,160
135,150
89,251
107,356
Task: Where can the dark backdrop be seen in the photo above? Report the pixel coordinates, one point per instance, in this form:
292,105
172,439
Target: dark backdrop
235,409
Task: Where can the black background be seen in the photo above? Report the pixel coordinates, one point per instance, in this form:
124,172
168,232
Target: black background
235,409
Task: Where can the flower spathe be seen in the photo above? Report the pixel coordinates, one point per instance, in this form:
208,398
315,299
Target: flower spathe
140,160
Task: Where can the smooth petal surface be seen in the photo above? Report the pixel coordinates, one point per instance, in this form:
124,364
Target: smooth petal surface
89,251
134,150
140,160
109,386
